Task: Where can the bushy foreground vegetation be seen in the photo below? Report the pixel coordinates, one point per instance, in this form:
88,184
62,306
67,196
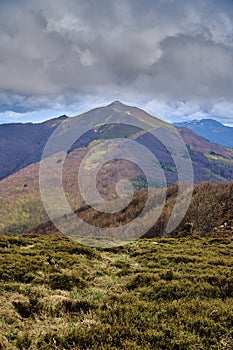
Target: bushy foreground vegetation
168,293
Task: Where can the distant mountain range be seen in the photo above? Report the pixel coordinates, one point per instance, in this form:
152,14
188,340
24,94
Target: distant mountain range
23,144
21,147
211,129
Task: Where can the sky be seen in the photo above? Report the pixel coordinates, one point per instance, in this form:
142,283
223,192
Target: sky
174,58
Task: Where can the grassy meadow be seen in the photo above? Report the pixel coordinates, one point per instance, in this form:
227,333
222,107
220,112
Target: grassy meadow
163,293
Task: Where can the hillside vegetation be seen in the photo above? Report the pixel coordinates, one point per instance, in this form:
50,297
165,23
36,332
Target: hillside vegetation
210,213
168,293
21,147
22,144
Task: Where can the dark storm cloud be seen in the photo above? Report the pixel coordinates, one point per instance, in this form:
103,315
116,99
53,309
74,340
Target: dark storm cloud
66,50
192,67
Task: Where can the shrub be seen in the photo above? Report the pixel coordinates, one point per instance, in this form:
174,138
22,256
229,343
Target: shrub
65,281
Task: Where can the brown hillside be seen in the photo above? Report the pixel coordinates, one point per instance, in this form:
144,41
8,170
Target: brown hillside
210,213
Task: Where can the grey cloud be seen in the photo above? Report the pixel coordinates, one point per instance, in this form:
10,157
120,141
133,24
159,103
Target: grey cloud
192,68
66,50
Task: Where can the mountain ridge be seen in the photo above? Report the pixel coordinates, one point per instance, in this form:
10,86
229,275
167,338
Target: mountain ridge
211,129
22,144
21,205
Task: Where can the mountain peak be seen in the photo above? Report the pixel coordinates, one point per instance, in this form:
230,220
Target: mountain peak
116,103
211,129
211,122
202,122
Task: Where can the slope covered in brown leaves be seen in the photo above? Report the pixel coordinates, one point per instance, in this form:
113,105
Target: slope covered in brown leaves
210,213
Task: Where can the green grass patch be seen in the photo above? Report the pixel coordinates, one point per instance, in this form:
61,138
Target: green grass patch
168,293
